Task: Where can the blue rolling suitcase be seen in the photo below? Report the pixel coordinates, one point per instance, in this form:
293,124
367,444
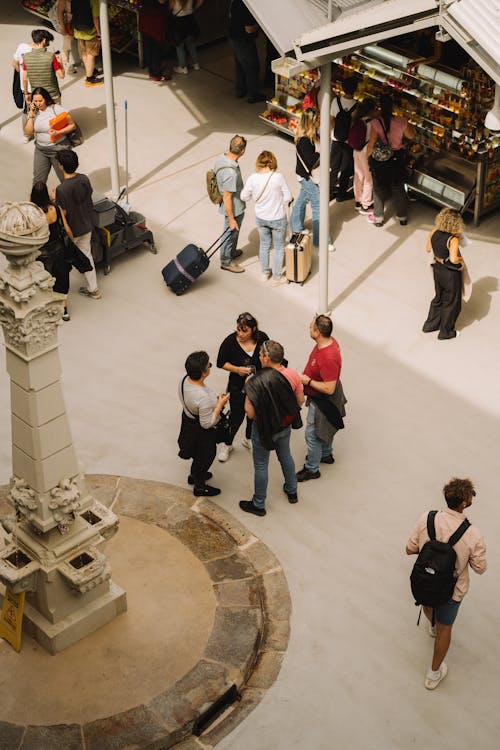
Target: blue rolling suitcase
188,265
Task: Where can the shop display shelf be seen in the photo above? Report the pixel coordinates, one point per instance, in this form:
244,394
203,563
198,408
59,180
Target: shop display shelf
277,126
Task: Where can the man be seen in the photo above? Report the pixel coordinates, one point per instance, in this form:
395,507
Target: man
17,63
243,30
87,30
74,195
230,184
341,157
321,380
41,67
273,398
470,550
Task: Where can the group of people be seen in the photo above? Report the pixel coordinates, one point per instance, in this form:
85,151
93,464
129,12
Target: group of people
266,394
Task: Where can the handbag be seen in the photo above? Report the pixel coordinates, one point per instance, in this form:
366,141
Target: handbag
382,151
75,137
313,173
223,429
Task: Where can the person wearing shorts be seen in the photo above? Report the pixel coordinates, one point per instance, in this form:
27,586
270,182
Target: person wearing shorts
470,550
87,31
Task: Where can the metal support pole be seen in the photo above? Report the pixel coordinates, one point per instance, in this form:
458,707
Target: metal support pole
325,97
108,90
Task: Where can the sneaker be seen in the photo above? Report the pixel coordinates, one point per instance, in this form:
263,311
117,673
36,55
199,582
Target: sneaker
331,247
86,293
206,491
376,222
304,475
364,211
93,81
328,459
292,496
403,222
432,682
265,276
66,316
247,443
307,232
160,79
179,69
208,475
279,282
249,507
224,451
233,268
432,630
196,66
358,206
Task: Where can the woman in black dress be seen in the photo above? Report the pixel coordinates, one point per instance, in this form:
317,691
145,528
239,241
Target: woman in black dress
239,355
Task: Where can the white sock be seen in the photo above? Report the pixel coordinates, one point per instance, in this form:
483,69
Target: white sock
433,675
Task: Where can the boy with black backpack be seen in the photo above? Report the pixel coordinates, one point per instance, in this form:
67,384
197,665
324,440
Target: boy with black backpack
341,159
446,544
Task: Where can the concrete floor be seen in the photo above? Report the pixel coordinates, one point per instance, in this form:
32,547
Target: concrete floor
419,412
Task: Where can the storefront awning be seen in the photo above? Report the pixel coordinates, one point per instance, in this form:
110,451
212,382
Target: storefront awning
475,25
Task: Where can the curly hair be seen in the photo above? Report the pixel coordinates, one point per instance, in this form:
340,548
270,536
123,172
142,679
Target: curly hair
457,491
450,221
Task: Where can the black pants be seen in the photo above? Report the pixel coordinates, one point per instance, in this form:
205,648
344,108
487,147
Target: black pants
152,55
446,305
246,62
389,180
237,406
341,166
203,457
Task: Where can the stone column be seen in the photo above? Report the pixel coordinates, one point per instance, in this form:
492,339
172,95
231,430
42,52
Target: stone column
54,547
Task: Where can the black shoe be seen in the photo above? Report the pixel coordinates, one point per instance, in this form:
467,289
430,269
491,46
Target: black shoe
206,491
304,475
446,336
292,496
237,254
403,222
66,316
429,329
208,475
328,459
93,81
249,507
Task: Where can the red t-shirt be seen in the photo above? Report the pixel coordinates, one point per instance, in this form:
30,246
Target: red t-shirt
323,365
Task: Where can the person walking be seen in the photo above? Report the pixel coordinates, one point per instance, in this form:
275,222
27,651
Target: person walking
325,398
184,32
470,550
74,196
41,67
271,194
341,158
48,142
242,33
230,184
87,30
447,269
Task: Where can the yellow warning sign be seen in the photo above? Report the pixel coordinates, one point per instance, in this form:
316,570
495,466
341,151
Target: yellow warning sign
11,619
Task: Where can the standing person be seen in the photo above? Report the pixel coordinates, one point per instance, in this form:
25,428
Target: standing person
42,68
200,413
17,85
447,269
272,405
74,196
341,158
48,142
243,31
307,148
153,19
185,30
389,176
325,398
470,550
359,136
239,356
86,23
230,184
270,192
70,45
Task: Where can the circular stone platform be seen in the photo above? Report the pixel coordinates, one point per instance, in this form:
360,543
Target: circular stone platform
208,608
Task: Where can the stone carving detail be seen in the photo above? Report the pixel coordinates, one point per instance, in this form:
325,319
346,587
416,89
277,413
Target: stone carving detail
65,501
37,330
23,498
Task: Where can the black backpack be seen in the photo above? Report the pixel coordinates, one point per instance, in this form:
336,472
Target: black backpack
433,576
343,120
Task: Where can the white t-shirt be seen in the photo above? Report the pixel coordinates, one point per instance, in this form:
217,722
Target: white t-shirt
42,126
273,202
346,101
179,11
19,54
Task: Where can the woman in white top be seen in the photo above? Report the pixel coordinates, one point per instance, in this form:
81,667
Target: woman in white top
270,192
47,140
184,32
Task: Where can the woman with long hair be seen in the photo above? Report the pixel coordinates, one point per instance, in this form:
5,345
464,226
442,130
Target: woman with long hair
270,192
447,269
307,153
184,32
48,141
389,176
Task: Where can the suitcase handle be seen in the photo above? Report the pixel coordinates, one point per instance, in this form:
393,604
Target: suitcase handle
218,242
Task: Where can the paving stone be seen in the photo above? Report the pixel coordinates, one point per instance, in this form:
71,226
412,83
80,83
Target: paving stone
205,540
276,634
225,520
10,736
266,670
234,567
238,593
236,637
104,487
56,737
192,744
5,508
137,729
250,698
143,501
277,602
261,557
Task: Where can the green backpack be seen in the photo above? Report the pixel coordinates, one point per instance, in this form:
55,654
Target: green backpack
212,187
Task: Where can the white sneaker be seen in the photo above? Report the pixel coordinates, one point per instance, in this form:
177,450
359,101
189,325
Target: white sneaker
432,631
265,276
331,247
246,443
280,281
224,451
178,69
196,66
431,682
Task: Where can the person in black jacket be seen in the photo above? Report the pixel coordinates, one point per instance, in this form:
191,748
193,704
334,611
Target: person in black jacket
306,144
239,355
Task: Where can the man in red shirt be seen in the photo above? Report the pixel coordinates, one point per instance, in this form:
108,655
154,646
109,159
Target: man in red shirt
320,378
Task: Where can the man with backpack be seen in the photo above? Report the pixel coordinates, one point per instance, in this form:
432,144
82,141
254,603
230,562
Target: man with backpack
341,159
446,544
224,185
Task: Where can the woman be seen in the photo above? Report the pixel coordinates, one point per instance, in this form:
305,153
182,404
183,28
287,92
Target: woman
389,176
239,355
52,253
270,192
153,20
307,145
447,268
359,135
47,140
200,413
185,30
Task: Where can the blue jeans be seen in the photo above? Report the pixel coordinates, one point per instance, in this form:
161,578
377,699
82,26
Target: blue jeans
309,193
272,231
316,448
260,456
188,46
228,247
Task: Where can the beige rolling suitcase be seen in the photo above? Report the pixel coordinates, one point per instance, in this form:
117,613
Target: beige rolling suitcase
298,258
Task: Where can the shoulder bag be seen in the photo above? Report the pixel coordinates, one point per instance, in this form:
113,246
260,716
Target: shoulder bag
314,172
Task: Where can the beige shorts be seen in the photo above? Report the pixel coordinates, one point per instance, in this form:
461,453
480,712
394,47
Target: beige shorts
89,47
